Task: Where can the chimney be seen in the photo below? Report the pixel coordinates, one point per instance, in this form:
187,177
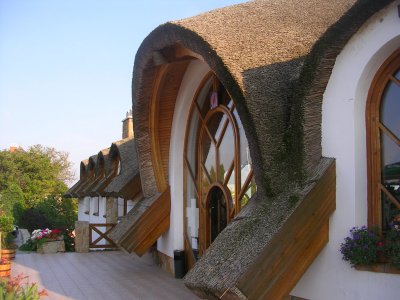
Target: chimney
127,125
13,148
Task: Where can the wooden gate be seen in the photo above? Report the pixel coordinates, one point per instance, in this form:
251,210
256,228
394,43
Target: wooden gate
103,236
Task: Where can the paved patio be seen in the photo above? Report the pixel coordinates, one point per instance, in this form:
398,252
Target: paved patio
99,275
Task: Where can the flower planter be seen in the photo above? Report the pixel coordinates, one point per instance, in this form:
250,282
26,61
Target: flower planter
8,253
379,268
51,247
5,269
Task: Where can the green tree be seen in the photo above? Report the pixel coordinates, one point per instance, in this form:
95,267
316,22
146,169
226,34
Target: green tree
60,212
29,178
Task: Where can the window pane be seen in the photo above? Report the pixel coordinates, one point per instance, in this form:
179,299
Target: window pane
192,141
389,211
226,152
209,156
203,99
390,160
390,108
215,125
250,191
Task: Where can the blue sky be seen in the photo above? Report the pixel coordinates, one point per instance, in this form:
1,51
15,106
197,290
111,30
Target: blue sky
66,68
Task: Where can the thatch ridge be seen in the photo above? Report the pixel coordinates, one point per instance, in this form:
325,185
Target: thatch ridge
102,163
103,169
71,193
84,190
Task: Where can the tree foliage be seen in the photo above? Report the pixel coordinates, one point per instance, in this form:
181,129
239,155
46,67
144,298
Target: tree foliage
34,178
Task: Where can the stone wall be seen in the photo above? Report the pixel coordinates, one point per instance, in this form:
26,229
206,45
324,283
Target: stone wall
111,210
81,236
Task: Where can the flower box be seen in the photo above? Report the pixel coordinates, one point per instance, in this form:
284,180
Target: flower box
366,250
51,247
378,268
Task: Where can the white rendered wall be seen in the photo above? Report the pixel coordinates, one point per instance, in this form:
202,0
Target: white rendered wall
344,138
173,238
100,218
82,208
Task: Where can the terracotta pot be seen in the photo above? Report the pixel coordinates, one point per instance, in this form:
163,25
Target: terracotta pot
5,269
8,253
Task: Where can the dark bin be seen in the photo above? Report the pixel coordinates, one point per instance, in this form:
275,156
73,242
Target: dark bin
179,263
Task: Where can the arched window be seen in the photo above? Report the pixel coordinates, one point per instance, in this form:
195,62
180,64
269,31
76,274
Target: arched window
218,174
383,139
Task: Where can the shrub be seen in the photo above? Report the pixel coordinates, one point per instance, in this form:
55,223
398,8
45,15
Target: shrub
6,223
28,246
32,219
69,240
60,212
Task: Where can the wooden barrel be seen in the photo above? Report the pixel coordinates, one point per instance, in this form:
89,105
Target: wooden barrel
8,253
5,270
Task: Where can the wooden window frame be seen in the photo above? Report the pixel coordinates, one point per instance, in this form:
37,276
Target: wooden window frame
204,233
373,129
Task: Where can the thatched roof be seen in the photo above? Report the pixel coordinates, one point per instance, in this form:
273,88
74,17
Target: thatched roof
104,173
275,58
120,186
71,193
83,190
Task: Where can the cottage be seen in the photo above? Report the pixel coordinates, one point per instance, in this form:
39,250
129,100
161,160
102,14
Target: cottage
108,187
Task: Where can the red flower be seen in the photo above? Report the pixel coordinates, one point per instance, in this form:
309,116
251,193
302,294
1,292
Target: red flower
56,231
380,243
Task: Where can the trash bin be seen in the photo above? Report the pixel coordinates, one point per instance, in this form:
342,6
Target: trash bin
179,263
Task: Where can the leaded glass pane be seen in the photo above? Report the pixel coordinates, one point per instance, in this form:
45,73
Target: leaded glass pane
209,157
249,192
204,97
226,152
390,108
389,211
390,158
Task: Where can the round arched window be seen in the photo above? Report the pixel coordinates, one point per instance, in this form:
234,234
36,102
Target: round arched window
383,133
218,174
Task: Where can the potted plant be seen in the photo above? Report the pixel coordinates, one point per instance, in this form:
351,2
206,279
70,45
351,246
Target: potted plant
6,242
5,267
48,241
361,247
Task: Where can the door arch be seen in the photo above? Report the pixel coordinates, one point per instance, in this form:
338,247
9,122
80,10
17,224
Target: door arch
217,212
